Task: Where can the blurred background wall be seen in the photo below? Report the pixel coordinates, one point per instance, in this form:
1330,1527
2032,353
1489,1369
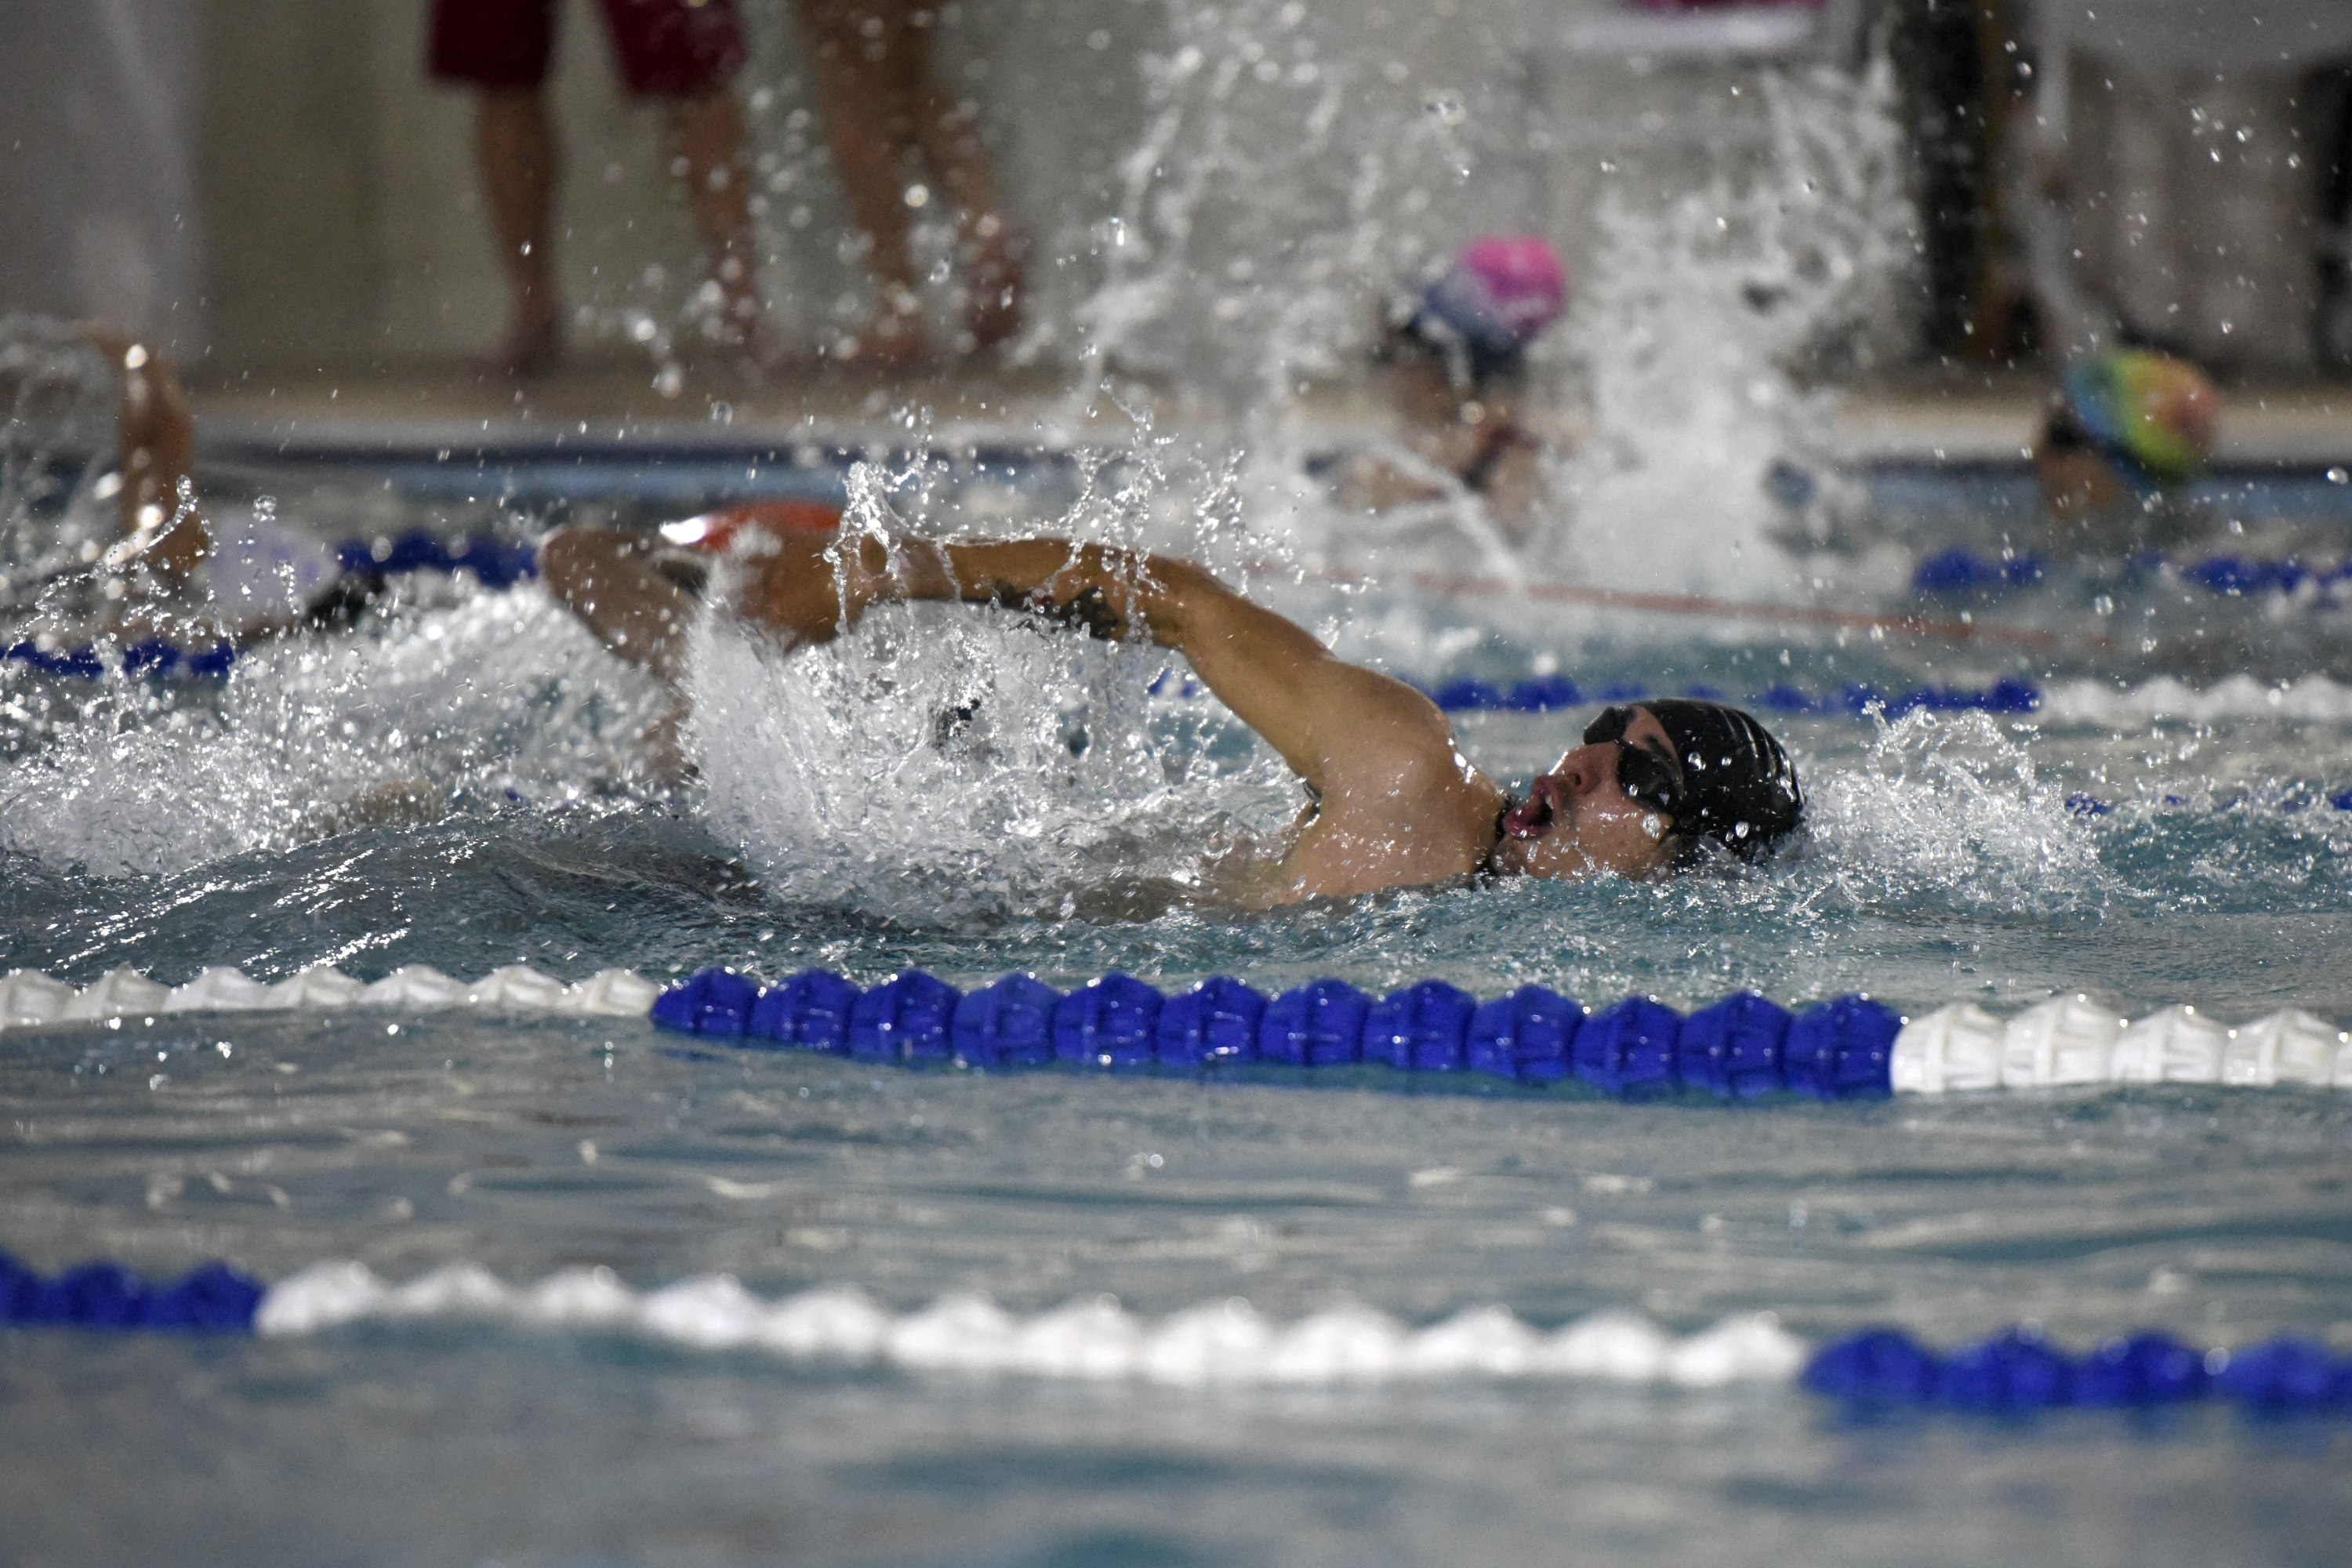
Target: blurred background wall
276,181
100,211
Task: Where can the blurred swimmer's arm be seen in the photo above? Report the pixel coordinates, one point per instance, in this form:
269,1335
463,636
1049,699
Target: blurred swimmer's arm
155,436
612,579
1347,730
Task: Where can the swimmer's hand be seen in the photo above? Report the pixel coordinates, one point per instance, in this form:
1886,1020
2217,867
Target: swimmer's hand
1088,609
163,526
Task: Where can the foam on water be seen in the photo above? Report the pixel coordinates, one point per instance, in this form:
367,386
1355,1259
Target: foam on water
1950,807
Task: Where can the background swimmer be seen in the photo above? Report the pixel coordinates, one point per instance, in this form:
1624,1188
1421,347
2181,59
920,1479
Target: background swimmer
1392,801
1452,370
169,571
2124,431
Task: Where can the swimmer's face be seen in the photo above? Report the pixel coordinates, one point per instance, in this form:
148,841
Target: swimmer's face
1578,821
2078,483
1418,387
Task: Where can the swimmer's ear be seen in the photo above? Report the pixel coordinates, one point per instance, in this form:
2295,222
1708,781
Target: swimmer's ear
1688,851
689,574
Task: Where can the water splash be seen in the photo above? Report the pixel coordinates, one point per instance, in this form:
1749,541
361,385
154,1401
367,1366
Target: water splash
931,766
1704,329
1946,810
468,694
1288,183
1284,178
57,412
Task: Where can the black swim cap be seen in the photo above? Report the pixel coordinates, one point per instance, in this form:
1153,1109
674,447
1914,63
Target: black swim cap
1739,788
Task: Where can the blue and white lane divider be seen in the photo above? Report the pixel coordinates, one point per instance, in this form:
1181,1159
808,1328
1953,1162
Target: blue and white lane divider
501,565
2019,1371
1554,693
29,997
1222,1344
1744,1046
212,1298
494,563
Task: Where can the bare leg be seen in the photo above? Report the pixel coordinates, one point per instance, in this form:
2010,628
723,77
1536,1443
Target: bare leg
708,133
517,150
950,132
870,62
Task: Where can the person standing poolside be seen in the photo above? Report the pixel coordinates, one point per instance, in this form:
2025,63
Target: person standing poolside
1453,370
685,52
1393,803
884,109
2123,431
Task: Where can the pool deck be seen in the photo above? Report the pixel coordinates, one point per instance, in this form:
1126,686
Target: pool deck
611,406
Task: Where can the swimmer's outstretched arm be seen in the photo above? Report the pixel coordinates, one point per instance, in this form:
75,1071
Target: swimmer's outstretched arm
1357,737
1397,804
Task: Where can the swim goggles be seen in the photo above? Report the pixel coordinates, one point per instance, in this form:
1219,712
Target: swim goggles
1641,774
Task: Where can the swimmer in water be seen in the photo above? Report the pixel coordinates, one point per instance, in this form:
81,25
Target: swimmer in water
152,579
1452,370
2125,430
1656,786
139,582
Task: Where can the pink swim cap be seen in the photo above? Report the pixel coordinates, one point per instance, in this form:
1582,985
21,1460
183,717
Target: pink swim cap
1501,292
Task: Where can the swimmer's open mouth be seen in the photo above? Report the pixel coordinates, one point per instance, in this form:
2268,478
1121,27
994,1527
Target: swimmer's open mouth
1532,817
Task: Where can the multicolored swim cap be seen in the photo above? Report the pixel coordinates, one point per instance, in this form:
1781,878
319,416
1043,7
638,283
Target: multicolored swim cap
1499,292
2152,415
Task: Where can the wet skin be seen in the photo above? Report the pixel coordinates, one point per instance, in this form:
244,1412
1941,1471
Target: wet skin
1578,822
1397,804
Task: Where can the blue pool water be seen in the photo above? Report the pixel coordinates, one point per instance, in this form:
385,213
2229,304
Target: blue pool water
449,786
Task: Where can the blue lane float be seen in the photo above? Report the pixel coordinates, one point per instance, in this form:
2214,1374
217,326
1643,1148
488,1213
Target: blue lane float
493,563
155,658
2017,1371
1554,693
1962,572
213,1298
1638,1048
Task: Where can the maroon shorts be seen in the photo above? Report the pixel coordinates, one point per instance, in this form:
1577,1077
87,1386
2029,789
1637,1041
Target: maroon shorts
669,48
